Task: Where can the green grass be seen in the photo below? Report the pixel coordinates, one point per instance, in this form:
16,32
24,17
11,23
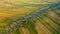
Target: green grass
17,31
30,26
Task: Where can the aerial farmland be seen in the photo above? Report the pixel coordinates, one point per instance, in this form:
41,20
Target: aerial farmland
29,17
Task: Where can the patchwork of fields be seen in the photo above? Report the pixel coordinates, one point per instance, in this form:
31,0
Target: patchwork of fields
12,10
